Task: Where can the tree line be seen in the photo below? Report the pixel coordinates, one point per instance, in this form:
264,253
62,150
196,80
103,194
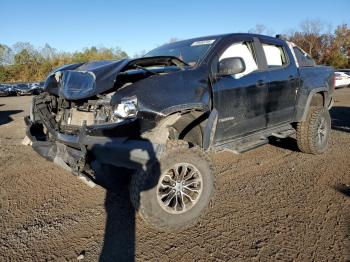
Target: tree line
22,62
326,46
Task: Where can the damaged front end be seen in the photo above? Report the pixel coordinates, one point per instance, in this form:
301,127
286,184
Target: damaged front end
107,111
74,139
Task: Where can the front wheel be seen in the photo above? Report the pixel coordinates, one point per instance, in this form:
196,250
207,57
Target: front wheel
177,190
313,134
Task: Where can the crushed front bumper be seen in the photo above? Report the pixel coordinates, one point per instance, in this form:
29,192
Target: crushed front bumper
76,152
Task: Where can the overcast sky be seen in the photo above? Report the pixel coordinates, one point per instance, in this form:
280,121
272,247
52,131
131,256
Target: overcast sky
142,25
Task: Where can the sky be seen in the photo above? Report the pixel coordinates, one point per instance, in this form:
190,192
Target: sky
143,25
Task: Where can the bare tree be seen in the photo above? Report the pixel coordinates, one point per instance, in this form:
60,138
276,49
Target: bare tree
172,40
140,53
5,55
258,29
312,31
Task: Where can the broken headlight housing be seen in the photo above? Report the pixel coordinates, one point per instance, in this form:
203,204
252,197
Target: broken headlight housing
127,108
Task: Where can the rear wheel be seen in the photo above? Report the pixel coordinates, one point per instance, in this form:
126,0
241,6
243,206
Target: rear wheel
177,190
313,134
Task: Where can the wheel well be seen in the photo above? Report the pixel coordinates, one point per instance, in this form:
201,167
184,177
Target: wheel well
318,99
189,127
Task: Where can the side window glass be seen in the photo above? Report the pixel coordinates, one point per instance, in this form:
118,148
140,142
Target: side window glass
303,58
245,51
275,56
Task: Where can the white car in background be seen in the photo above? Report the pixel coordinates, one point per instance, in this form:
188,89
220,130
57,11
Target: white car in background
342,80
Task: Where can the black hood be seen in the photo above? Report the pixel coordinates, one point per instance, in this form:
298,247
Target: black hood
80,81
84,80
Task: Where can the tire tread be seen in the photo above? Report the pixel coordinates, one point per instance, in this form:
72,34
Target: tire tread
138,179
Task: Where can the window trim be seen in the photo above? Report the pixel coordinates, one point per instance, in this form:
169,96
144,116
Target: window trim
282,45
305,54
237,42
230,42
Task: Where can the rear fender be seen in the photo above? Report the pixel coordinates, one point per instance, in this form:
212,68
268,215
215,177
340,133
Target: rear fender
302,111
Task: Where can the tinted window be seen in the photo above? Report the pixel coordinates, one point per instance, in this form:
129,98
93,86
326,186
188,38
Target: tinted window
275,56
303,58
189,51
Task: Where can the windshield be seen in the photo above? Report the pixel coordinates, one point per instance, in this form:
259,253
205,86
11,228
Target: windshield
189,51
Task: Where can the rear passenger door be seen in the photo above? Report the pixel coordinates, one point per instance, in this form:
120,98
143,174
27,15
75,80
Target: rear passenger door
283,80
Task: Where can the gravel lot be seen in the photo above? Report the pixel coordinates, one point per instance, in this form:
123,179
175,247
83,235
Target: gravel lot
272,203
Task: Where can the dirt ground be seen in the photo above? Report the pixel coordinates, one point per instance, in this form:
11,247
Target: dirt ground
272,203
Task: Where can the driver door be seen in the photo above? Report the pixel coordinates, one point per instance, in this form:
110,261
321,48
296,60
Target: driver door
240,99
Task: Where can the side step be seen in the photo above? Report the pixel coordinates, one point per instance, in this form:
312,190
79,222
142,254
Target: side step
252,141
242,147
284,133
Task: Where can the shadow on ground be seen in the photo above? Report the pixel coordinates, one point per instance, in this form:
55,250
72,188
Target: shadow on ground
288,143
119,237
341,118
5,116
343,188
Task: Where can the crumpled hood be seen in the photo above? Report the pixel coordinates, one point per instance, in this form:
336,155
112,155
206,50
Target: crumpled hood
84,80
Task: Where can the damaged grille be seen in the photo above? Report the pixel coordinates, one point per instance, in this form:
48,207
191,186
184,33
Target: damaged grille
68,117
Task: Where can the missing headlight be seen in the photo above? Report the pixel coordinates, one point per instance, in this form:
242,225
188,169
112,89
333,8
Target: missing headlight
127,108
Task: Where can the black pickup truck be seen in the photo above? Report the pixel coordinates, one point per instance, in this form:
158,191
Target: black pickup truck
161,114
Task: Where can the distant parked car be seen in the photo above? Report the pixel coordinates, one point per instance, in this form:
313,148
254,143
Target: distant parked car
6,90
341,80
23,89
28,89
346,71
37,88
3,91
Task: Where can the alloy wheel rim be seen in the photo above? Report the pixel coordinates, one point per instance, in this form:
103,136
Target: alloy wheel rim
179,188
322,131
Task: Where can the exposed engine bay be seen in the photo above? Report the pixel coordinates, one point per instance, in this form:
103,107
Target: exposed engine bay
90,112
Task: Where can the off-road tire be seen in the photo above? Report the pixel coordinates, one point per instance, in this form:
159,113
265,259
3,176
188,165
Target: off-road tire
143,187
307,131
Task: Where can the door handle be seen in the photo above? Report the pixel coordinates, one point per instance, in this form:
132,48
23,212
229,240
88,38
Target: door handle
260,83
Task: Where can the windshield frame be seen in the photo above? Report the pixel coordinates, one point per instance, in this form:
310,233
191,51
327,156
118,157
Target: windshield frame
216,39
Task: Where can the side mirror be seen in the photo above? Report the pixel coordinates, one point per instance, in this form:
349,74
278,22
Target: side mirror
231,66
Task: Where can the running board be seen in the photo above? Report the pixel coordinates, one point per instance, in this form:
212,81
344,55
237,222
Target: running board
239,148
252,141
284,134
